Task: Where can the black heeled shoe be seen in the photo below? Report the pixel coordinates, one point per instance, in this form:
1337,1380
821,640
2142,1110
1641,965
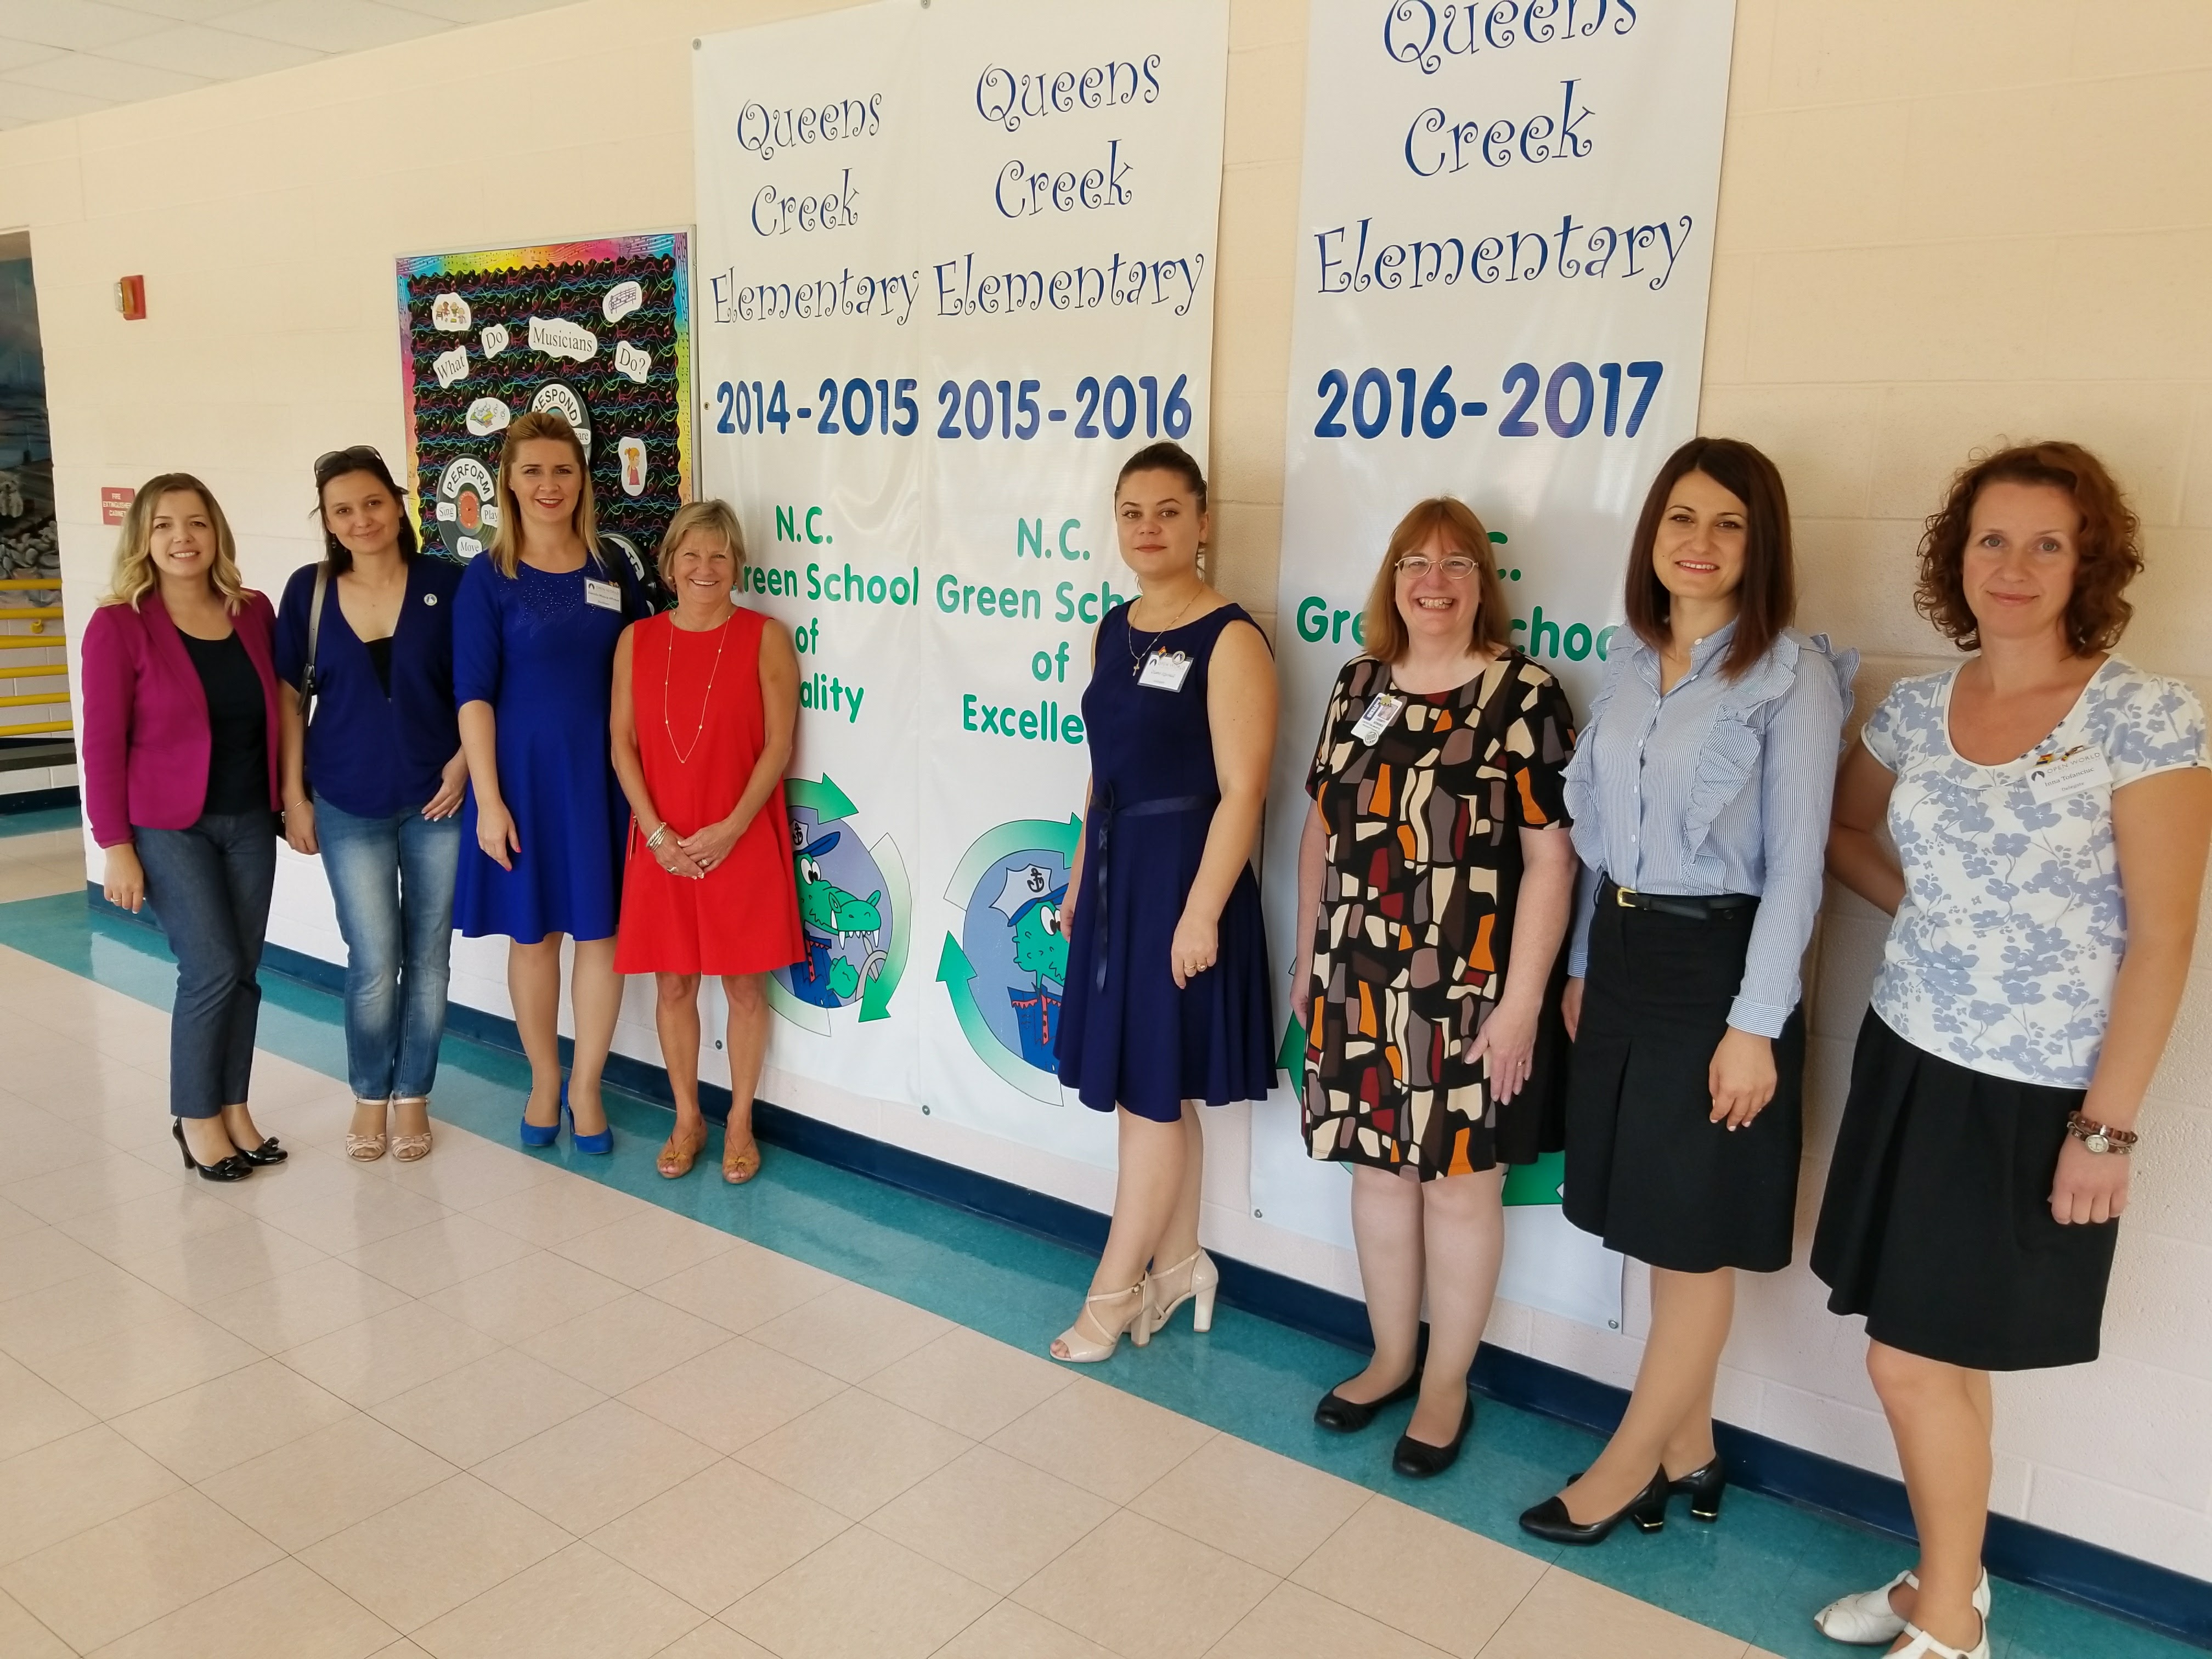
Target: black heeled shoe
1417,1459
1342,1416
233,1168
1704,1487
1550,1521
266,1153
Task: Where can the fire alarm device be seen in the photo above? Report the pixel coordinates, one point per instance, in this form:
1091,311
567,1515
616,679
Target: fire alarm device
131,298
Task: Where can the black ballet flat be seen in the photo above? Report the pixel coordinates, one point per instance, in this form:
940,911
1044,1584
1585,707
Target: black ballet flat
1342,1416
266,1153
1550,1521
1417,1459
1704,1487
233,1168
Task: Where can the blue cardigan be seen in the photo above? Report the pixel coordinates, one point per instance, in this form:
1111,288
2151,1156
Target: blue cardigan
369,755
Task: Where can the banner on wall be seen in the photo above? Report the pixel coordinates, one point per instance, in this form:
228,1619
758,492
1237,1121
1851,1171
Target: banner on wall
1505,245
956,265
598,331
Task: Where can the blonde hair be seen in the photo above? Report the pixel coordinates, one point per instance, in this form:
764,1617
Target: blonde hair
506,535
712,515
1385,628
134,576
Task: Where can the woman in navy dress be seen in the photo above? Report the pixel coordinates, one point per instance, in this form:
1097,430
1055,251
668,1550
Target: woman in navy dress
535,625
1167,989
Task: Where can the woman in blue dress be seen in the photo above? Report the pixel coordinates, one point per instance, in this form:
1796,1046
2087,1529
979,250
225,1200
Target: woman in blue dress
1167,1002
535,625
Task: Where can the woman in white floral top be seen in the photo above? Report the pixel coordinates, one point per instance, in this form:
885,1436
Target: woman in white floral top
2050,808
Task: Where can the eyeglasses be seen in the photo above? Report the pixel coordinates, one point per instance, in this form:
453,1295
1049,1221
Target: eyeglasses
359,458
1457,568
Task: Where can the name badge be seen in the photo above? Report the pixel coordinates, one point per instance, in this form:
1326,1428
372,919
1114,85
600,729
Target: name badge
1380,716
1165,671
2054,777
605,595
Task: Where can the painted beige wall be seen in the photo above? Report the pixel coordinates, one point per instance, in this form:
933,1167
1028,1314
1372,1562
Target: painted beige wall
1941,224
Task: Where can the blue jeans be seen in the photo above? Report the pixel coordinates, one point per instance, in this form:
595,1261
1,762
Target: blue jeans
209,887
394,881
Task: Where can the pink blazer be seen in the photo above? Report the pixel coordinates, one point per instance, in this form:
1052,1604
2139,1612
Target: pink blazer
144,756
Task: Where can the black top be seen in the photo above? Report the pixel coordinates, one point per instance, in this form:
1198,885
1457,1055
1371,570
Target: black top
238,725
379,658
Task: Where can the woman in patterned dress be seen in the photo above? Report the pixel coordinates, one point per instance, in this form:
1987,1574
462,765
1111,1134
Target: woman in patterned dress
2050,808
1435,881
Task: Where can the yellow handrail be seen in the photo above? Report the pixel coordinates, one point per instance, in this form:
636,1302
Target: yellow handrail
29,698
45,671
34,728
29,584
28,612
30,641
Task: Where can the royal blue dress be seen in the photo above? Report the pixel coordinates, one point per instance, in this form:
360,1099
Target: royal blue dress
542,655
1128,1036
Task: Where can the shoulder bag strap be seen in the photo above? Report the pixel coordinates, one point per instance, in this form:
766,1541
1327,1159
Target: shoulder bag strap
314,635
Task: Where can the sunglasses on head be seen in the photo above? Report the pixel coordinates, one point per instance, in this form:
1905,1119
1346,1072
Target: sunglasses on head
360,458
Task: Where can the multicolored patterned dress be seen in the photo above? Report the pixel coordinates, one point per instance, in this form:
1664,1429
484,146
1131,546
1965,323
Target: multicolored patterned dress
1417,907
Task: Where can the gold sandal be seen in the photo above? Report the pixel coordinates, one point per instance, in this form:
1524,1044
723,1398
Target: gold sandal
676,1160
741,1166
409,1148
367,1148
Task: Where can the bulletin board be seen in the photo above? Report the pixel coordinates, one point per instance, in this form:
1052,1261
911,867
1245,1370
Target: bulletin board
599,331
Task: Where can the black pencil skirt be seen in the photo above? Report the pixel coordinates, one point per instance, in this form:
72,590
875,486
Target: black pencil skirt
1648,1170
1936,1222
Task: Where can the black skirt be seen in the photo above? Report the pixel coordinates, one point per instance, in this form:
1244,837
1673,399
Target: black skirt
1648,1170
1936,1223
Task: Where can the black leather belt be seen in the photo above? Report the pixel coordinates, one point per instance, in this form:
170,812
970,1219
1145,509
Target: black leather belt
1692,907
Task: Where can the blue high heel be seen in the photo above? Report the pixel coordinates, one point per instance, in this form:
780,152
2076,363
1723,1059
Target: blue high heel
598,1146
535,1134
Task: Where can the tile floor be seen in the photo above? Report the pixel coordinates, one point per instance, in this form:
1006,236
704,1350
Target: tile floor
492,1404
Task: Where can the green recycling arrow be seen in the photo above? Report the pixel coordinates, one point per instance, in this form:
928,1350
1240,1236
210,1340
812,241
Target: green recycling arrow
876,995
820,796
954,971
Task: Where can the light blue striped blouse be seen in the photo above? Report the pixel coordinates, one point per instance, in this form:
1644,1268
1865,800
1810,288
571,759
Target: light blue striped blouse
1720,786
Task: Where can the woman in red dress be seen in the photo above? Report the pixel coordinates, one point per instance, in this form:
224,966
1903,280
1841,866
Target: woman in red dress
706,700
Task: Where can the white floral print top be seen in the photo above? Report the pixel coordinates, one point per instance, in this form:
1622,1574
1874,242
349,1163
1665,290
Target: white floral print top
2002,956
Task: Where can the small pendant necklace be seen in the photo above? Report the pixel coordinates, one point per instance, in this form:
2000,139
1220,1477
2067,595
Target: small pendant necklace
706,701
1129,633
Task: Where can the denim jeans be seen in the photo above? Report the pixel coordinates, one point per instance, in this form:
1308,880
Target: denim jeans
394,881
209,887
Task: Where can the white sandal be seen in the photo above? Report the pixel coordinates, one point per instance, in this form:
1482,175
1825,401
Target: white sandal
1081,1349
1200,1280
1924,1646
1868,1620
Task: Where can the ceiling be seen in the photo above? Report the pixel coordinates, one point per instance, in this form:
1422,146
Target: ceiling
65,58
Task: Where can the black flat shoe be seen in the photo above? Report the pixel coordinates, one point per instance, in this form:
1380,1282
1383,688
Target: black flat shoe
1417,1459
267,1152
1550,1521
1704,1487
1343,1416
233,1168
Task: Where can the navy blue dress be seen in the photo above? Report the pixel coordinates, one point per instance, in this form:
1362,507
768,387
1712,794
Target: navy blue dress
1128,1036
543,656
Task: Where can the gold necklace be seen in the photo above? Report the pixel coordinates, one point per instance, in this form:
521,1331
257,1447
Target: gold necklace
667,679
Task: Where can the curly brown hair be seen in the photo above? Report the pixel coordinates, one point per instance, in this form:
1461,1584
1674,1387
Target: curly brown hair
2110,554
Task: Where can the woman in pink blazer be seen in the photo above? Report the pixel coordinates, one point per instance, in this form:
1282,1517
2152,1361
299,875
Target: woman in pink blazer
180,783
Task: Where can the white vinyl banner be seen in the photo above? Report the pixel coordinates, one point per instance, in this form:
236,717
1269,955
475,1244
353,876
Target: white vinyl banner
955,264
1505,244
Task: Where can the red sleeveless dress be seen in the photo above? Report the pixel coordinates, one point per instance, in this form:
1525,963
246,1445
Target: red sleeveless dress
700,731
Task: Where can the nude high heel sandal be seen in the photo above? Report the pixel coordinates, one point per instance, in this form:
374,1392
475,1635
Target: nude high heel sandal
408,1148
1193,1278
367,1148
1082,1350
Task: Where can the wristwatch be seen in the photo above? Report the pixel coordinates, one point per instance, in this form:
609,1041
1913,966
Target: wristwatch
2100,1138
